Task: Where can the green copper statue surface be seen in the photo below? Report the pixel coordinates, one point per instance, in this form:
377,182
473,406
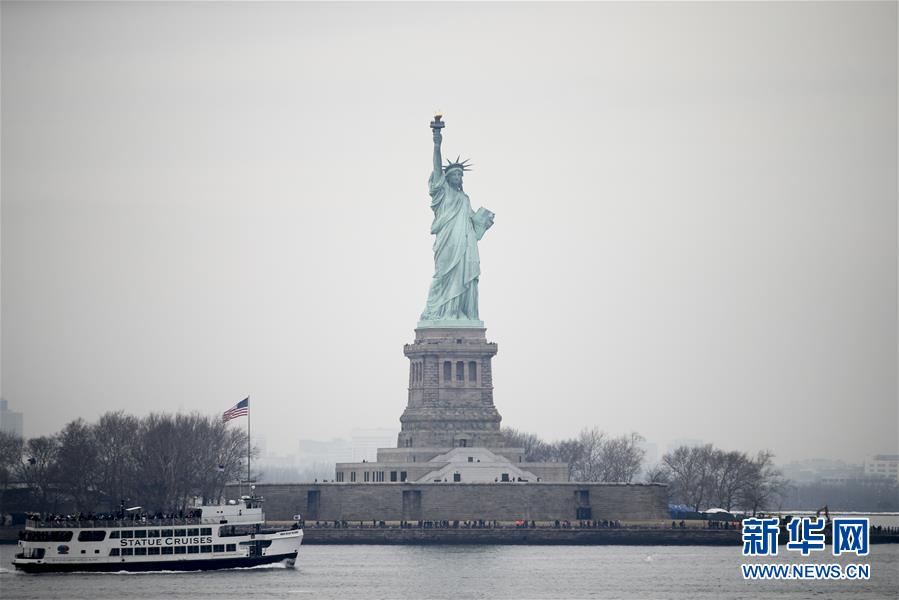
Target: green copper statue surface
453,295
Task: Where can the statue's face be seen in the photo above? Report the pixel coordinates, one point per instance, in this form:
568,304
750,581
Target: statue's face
454,178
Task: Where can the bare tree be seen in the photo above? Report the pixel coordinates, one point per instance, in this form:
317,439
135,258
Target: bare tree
221,458
163,460
592,456
116,439
730,472
703,475
765,484
10,456
690,469
183,457
568,452
657,473
588,464
535,449
38,469
77,464
620,458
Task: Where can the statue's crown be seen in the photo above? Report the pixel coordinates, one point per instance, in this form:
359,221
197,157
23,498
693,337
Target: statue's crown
462,166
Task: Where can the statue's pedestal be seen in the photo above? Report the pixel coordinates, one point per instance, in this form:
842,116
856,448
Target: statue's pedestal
450,389
450,428
451,324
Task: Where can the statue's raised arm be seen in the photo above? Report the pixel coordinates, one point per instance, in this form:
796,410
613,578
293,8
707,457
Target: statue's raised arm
436,126
438,160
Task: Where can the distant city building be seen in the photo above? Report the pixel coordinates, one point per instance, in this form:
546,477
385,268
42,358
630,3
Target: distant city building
688,442
650,453
314,452
822,470
838,480
281,461
883,465
366,442
260,442
10,421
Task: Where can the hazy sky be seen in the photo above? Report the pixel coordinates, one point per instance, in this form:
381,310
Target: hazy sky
696,213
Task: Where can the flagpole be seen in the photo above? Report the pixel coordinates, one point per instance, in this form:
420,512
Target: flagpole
248,440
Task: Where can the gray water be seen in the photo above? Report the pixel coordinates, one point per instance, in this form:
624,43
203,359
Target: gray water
462,572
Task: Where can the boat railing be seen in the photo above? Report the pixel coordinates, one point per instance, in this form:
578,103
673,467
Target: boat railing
119,523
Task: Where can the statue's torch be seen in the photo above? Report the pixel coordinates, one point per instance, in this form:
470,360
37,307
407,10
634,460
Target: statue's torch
437,124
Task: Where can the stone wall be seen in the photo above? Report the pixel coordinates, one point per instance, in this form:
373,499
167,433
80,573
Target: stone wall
463,501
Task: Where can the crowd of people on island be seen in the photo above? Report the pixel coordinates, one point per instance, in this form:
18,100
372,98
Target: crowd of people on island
881,530
531,524
463,524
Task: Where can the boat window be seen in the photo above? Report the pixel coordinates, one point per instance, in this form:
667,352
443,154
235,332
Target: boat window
127,551
205,548
91,535
114,535
168,550
140,533
206,531
180,549
152,533
193,532
153,550
127,534
218,548
259,543
140,551
114,552
46,536
166,533
180,532
230,547
193,549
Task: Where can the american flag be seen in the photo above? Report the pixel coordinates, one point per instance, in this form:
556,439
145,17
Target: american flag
241,409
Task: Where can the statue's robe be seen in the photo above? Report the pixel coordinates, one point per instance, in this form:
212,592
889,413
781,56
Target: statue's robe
457,265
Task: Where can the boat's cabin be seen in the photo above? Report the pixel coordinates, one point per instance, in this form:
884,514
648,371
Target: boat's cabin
246,510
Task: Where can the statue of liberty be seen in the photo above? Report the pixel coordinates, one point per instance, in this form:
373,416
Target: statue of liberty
453,295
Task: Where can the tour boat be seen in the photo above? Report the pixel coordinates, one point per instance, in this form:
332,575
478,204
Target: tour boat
213,537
